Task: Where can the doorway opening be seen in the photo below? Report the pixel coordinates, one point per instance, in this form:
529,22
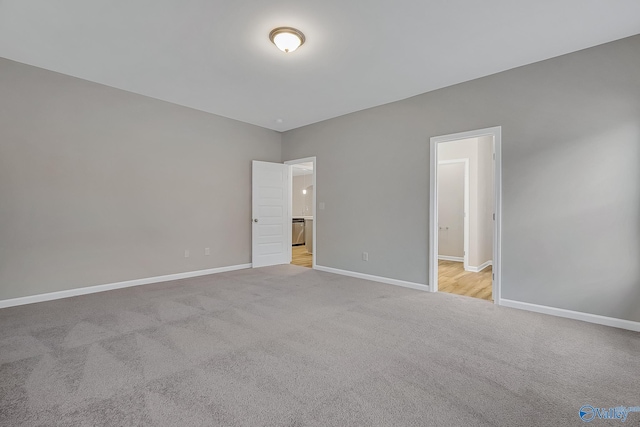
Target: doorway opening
465,214
302,208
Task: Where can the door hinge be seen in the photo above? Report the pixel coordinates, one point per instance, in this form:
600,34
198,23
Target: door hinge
494,217
494,156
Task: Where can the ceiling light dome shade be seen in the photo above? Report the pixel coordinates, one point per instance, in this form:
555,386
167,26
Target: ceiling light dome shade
287,39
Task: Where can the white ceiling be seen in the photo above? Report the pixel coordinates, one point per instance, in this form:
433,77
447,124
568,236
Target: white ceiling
215,55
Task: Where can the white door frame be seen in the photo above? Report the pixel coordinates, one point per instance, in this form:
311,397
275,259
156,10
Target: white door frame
496,132
465,230
313,201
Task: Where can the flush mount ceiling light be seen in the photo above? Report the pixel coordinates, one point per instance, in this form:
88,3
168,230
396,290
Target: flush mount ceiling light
287,39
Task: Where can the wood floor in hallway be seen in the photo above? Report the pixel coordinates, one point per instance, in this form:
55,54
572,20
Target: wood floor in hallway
453,279
300,256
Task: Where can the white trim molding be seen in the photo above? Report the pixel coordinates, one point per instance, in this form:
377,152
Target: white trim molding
575,315
118,285
451,258
380,279
479,268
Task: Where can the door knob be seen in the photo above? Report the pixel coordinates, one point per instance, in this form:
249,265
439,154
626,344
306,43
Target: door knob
255,220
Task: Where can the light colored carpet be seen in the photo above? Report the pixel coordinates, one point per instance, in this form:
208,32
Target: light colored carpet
290,346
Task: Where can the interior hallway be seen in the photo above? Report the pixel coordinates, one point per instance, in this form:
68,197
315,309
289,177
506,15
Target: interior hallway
453,279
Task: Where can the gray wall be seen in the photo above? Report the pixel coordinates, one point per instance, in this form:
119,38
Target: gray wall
99,185
571,180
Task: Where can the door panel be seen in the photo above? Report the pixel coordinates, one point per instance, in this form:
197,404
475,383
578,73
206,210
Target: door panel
271,240
451,210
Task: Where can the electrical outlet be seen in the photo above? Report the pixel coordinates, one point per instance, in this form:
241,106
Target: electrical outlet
207,251
365,256
186,253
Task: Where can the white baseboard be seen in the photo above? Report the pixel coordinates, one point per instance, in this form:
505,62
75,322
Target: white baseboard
481,267
118,285
451,258
576,315
380,279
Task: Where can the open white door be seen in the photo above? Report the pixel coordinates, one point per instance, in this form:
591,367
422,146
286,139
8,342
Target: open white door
271,241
